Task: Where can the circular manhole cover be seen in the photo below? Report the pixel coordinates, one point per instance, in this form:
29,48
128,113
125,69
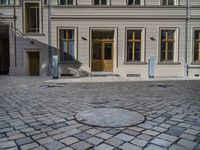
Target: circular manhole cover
109,117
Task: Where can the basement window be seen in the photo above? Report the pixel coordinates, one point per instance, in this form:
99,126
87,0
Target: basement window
197,46
167,2
32,18
134,2
66,2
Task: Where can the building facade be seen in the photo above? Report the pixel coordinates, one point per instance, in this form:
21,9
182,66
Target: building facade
100,36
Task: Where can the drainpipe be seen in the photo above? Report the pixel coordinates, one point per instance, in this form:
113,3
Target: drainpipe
15,40
49,36
186,38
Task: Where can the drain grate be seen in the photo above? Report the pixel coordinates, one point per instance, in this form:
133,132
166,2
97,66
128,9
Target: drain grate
160,85
50,86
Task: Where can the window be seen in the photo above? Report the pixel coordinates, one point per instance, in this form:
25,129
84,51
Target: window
32,18
134,45
134,2
100,2
167,45
197,46
66,2
67,52
4,2
167,2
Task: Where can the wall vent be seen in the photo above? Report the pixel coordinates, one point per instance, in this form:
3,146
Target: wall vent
133,75
196,75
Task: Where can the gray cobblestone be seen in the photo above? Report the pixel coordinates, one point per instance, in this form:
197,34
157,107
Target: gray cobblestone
46,115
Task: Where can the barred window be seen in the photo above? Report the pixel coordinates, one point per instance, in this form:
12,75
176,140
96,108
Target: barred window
197,46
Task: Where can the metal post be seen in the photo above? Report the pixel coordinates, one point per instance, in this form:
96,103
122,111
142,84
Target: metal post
186,39
49,37
15,40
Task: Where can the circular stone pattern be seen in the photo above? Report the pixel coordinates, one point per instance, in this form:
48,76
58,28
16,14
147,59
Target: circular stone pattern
109,117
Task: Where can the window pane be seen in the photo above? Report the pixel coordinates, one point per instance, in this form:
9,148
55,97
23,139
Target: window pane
171,46
171,35
137,2
163,46
196,51
170,56
70,2
97,51
129,35
162,56
96,2
108,51
138,34
70,51
71,34
67,45
103,2
170,2
164,2
163,35
197,35
137,51
130,2
129,51
62,2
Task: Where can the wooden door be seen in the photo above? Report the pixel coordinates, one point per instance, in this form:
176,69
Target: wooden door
97,56
108,56
34,64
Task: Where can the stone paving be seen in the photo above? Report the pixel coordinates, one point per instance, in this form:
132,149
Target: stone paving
39,117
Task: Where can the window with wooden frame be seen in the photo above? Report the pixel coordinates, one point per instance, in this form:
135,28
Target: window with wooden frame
66,2
32,18
100,2
167,46
134,45
134,2
167,2
67,45
197,46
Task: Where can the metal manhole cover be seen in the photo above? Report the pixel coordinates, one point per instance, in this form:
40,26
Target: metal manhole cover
109,117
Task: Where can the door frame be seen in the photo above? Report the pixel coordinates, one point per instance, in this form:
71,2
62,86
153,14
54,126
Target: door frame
114,49
102,43
27,61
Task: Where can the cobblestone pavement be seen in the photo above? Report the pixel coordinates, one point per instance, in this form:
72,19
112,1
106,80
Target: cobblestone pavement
38,117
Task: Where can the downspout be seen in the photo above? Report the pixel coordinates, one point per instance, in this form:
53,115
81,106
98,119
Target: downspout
49,37
186,38
15,40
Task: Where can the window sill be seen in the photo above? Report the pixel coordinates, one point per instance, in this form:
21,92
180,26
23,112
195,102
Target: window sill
169,63
135,63
33,34
69,63
195,63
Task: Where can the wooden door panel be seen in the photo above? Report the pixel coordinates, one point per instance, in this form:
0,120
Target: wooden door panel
34,63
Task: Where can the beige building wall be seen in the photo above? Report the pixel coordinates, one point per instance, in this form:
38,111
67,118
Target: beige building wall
150,16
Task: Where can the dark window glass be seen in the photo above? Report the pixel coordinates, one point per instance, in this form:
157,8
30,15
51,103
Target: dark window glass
138,34
96,51
32,17
103,2
134,45
170,2
137,2
67,45
4,1
108,51
167,45
130,2
197,46
66,2
129,51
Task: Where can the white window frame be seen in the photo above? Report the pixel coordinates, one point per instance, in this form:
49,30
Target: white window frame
75,43
176,3
40,16
141,3
193,42
176,44
143,44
